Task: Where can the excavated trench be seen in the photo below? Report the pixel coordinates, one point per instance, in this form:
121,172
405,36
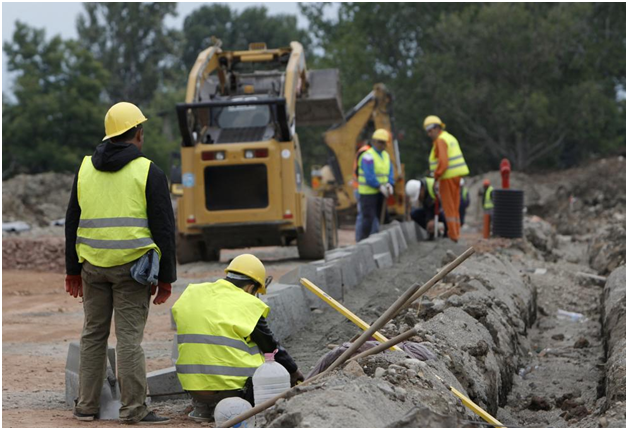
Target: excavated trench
498,336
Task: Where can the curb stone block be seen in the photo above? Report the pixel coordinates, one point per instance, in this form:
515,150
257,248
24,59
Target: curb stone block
289,310
393,243
403,244
174,353
363,258
349,261
163,383
110,393
383,260
310,272
377,243
332,279
409,231
421,234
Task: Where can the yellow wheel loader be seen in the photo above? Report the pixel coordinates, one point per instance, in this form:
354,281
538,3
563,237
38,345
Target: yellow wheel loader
241,171
337,179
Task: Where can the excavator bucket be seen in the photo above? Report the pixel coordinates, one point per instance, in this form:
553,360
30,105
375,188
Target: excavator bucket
322,104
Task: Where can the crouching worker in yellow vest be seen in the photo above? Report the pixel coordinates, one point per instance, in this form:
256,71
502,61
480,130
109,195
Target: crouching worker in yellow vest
222,335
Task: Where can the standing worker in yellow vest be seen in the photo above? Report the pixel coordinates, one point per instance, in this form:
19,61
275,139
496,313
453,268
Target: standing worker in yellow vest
448,166
222,333
119,212
375,180
487,205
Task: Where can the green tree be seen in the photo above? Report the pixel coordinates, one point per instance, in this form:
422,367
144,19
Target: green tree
534,82
237,29
57,114
133,43
523,82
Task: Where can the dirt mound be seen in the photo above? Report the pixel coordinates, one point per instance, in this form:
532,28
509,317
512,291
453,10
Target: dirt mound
36,199
46,254
475,323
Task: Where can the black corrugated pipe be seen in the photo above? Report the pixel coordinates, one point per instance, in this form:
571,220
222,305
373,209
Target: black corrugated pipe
508,213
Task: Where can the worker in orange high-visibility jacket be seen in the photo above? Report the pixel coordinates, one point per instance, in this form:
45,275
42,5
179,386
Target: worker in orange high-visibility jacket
447,165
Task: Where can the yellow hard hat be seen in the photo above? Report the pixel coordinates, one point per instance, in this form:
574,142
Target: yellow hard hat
381,134
122,117
249,265
433,119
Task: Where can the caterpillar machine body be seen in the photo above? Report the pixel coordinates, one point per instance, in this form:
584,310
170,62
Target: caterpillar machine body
337,179
241,169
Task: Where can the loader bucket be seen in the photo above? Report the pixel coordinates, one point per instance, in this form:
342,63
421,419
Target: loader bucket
322,104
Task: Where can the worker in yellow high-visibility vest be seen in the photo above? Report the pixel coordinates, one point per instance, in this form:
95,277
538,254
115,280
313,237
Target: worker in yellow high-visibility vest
375,180
119,212
447,164
221,335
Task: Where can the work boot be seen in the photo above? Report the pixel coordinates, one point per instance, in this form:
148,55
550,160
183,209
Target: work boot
201,416
153,418
85,417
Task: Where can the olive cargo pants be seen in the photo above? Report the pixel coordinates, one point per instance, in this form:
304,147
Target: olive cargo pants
105,290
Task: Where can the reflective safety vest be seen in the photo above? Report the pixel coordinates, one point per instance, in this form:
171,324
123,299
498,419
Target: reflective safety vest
488,201
457,166
356,161
381,165
464,192
429,182
214,324
113,228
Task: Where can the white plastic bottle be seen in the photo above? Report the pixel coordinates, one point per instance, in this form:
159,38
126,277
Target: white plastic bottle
230,408
270,379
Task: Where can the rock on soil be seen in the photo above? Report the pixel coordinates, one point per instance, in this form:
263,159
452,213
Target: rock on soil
36,199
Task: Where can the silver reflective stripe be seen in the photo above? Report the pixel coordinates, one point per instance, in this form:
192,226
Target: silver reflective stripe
452,166
433,163
206,369
455,158
113,222
217,340
116,244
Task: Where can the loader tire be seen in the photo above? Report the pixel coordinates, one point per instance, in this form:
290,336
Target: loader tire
189,248
331,222
312,243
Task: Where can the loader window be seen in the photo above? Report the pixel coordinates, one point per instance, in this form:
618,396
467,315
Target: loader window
243,116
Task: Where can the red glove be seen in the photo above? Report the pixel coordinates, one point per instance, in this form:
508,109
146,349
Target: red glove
74,285
164,292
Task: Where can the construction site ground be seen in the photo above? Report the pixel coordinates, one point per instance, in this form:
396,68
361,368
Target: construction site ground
560,375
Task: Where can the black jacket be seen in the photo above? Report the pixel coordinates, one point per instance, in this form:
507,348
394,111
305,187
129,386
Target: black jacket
263,337
111,157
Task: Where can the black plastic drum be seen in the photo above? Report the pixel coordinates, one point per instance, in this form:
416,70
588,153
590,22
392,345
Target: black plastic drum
508,213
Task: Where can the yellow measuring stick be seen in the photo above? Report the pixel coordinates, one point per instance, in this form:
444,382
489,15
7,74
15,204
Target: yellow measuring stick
344,311
476,409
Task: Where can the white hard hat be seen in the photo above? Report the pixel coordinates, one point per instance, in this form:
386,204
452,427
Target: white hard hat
413,189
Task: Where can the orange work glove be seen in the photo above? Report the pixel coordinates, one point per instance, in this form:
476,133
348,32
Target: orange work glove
74,285
164,292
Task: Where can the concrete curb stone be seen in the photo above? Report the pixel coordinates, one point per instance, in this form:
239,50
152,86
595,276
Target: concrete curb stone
161,383
289,310
383,260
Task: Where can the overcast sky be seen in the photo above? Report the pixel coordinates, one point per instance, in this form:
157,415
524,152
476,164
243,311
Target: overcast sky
60,18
